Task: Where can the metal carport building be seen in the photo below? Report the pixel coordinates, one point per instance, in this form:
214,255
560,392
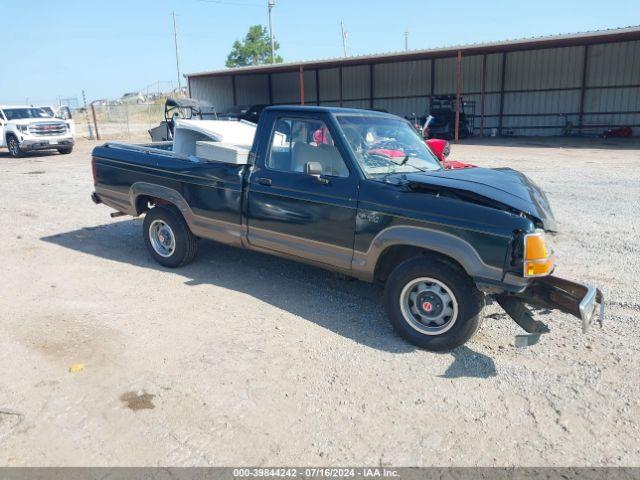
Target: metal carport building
520,87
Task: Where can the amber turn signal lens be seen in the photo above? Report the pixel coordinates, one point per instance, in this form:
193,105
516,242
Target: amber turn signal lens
536,268
538,260
535,247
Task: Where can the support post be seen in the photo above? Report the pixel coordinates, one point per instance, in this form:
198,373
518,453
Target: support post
340,84
233,90
270,87
317,87
95,122
301,81
583,85
458,88
433,78
86,115
483,88
371,86
503,74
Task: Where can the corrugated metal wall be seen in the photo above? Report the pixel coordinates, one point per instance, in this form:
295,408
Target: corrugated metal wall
217,90
285,88
613,65
539,92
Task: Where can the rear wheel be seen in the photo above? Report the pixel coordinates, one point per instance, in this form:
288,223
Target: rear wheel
433,304
168,238
14,146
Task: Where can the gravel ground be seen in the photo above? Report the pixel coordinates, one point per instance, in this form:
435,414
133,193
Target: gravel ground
241,358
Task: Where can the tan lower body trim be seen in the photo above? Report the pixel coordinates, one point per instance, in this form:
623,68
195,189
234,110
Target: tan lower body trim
299,247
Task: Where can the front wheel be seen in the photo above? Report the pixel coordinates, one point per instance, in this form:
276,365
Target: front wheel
168,238
14,146
65,151
432,304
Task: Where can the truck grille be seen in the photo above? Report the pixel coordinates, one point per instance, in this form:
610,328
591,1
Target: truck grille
52,128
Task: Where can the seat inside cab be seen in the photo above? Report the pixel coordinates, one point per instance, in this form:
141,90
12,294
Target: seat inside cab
302,142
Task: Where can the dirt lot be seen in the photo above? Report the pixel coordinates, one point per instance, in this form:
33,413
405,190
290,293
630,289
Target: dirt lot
241,358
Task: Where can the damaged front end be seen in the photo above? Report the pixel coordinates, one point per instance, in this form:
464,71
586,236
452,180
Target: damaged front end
535,261
582,301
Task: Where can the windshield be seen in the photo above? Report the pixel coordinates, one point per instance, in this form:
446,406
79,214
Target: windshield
21,113
385,145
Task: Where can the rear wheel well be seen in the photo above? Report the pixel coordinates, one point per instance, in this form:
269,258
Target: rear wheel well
393,256
144,203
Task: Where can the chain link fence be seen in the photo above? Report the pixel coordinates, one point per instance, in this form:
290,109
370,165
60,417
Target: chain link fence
118,122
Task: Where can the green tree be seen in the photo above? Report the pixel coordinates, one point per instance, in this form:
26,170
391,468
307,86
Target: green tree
255,49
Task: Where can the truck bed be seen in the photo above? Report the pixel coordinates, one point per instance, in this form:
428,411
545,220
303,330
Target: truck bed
129,176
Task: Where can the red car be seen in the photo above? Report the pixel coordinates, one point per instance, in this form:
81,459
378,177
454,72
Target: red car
441,149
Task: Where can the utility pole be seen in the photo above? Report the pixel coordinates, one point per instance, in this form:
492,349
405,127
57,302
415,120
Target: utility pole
271,4
175,39
406,39
344,38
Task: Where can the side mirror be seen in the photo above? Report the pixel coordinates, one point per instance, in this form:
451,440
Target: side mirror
314,169
446,150
440,148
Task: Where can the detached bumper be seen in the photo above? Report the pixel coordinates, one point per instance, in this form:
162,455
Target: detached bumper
582,301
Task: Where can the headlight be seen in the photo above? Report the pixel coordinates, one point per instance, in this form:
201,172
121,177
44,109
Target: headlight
23,128
538,257
68,126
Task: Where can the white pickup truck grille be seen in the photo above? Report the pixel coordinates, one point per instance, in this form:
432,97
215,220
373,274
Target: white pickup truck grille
49,128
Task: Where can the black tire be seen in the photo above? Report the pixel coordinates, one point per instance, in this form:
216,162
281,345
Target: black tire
65,151
185,243
467,298
14,146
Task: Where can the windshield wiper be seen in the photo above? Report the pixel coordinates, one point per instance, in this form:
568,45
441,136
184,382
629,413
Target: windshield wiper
401,163
404,161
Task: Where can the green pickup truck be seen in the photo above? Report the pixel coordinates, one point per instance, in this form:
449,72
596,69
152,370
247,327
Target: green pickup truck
357,192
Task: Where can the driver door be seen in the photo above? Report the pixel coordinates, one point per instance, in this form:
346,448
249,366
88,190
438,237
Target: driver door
297,214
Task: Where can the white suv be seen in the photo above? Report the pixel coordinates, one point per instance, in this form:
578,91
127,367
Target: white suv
24,129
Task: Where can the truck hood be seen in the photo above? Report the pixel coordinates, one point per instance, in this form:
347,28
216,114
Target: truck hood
31,121
503,186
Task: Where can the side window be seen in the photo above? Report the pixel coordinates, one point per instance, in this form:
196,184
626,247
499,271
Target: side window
295,142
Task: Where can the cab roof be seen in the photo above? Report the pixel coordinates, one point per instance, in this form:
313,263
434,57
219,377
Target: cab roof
17,106
329,110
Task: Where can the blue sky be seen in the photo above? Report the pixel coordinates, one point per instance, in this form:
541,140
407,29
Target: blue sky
59,47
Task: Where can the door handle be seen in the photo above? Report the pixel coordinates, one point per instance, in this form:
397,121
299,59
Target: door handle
264,181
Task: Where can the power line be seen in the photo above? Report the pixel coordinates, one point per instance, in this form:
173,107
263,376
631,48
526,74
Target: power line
238,4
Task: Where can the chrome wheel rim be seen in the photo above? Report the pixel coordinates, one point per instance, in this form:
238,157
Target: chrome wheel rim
429,306
162,238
